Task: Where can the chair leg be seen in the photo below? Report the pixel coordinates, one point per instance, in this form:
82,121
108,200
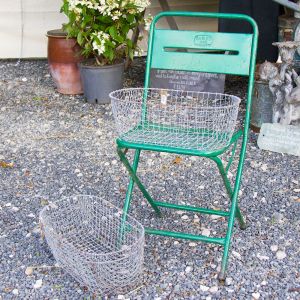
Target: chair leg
128,199
241,219
131,184
226,181
234,212
136,180
222,274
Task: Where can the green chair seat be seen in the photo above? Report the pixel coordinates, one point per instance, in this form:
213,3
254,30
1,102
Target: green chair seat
153,140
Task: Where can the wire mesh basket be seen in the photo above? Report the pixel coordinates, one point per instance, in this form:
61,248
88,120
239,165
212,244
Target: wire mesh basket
173,118
91,241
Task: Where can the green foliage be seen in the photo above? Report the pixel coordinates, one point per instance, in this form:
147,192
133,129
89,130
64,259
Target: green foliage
101,27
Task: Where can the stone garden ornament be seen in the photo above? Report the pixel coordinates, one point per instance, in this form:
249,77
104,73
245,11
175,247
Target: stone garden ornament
284,84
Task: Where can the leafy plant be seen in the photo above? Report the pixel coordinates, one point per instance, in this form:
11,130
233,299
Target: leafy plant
101,27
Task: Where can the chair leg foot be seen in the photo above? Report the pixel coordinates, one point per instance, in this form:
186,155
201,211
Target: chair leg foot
159,214
241,219
243,226
222,277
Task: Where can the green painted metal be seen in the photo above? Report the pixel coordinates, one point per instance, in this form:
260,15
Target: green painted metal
133,175
124,144
242,62
131,182
213,62
128,195
229,190
153,30
187,236
230,161
193,208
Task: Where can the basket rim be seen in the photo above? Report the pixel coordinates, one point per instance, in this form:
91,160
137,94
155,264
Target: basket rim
237,100
137,242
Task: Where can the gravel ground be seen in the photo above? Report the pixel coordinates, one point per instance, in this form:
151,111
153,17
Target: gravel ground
55,145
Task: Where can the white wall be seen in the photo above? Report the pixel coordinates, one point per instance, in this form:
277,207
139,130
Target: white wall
39,16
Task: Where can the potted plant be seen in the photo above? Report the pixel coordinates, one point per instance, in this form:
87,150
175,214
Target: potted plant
102,29
63,58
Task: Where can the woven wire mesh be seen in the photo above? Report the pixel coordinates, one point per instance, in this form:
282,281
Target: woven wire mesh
91,242
173,118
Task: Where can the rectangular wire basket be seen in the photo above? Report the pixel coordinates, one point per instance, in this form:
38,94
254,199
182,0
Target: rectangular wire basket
172,118
91,241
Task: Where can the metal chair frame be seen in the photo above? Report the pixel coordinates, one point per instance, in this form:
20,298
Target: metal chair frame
241,62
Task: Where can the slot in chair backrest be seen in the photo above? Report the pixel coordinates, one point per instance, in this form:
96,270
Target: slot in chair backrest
211,52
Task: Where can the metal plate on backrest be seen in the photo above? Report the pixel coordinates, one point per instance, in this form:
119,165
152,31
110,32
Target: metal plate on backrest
202,51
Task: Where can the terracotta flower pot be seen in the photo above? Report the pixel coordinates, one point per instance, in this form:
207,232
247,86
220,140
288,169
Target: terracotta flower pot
63,58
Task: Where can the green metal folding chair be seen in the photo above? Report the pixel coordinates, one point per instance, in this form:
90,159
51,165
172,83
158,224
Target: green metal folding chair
189,123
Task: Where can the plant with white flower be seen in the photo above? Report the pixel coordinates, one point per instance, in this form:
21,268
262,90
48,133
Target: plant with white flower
148,21
102,27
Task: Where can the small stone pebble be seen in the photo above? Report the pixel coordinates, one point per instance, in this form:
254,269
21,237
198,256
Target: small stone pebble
264,167
188,269
29,271
228,281
15,292
38,284
205,232
213,289
278,217
256,295
262,257
204,288
274,248
237,255
280,254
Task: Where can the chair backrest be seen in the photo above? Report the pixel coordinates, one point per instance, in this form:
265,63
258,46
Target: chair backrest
201,51
210,52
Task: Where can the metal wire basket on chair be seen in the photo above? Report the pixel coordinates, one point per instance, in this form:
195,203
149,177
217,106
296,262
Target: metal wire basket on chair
173,118
91,240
